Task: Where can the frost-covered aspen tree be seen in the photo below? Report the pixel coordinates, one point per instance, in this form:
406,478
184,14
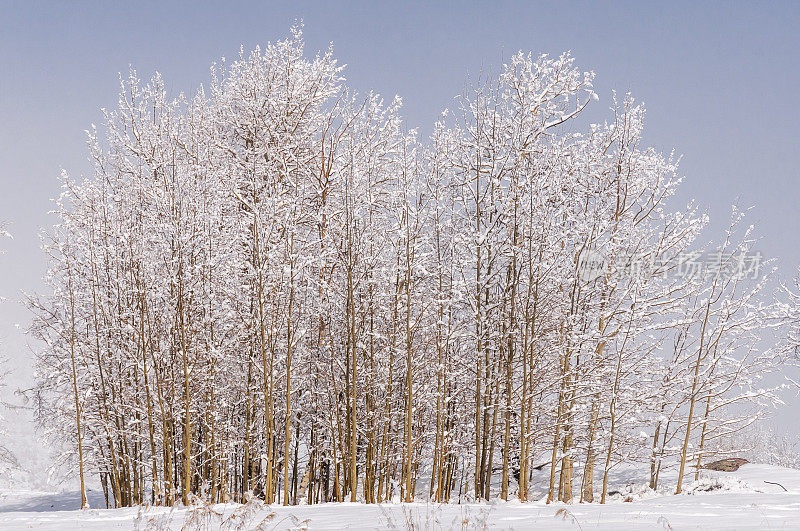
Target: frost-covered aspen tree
269,117
723,364
443,284
533,96
7,458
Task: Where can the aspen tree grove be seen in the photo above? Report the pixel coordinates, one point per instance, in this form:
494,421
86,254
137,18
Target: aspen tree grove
275,289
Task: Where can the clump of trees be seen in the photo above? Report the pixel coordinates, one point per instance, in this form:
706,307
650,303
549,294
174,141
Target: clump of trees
274,289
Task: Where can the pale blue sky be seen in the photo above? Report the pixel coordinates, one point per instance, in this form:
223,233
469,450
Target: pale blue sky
720,81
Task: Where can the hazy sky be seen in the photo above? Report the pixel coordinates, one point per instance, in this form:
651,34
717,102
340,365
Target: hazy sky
720,81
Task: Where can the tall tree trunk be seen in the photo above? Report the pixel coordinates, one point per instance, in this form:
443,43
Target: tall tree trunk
78,413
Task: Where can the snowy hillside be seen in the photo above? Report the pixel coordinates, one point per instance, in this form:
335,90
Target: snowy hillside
720,500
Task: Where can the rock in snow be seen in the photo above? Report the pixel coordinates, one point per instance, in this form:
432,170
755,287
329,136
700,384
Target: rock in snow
726,465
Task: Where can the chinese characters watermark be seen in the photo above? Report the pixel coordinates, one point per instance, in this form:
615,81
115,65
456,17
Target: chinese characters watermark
592,265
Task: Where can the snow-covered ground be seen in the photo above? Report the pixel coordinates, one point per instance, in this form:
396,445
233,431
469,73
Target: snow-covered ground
720,500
